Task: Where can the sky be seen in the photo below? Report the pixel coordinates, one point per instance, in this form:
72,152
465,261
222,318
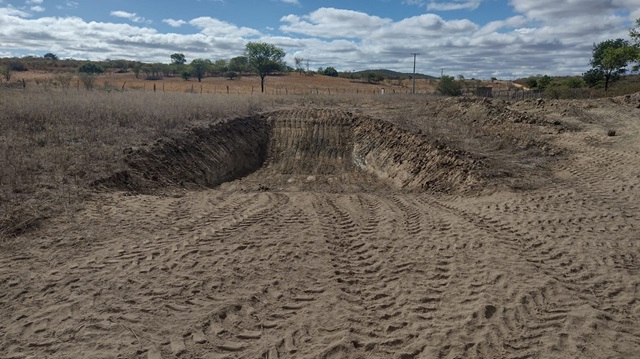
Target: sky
473,38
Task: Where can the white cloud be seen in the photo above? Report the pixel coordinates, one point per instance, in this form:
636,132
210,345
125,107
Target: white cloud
294,2
35,1
543,37
129,15
332,23
10,12
217,28
174,23
37,8
454,5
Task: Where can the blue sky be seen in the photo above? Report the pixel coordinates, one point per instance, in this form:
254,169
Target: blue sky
475,38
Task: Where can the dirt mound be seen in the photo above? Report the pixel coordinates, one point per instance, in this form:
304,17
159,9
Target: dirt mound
302,142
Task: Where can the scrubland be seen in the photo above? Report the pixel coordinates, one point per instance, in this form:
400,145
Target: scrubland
179,225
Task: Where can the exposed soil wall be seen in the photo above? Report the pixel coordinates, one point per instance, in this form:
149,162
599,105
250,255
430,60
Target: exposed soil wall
205,156
300,142
409,161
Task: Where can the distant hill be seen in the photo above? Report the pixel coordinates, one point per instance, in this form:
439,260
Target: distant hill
387,74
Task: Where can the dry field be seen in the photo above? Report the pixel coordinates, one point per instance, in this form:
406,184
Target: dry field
318,227
291,84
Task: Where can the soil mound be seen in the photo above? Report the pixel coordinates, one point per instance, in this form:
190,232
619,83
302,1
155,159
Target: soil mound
300,142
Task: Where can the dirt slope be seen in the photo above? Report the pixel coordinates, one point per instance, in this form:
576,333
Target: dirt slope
334,247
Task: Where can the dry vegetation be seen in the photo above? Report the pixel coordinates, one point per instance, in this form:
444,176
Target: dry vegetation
290,84
320,226
55,143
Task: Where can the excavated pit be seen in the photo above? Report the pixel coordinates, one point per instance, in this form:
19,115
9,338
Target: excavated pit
302,149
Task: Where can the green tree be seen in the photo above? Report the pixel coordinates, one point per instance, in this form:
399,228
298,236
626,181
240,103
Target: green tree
199,67
90,68
532,82
634,32
264,59
238,64
544,82
574,82
185,74
448,86
178,59
593,77
611,58
51,56
330,71
219,67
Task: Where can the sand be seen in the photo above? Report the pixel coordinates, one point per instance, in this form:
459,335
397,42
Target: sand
326,246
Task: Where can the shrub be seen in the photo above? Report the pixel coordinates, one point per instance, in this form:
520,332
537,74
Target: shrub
90,68
330,71
64,80
17,66
87,80
448,86
574,83
186,75
5,71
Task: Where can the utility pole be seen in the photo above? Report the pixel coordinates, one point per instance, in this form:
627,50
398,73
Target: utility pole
413,91
441,73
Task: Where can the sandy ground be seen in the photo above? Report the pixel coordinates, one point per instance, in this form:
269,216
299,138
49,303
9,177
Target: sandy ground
319,265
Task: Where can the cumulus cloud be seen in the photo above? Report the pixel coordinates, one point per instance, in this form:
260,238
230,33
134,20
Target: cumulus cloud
77,38
294,2
35,1
454,5
332,23
213,27
174,23
10,12
129,15
37,8
541,37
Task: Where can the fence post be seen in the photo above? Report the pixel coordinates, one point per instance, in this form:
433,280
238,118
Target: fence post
123,86
227,90
154,87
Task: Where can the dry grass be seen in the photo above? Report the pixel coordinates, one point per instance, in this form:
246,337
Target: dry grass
54,143
291,84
